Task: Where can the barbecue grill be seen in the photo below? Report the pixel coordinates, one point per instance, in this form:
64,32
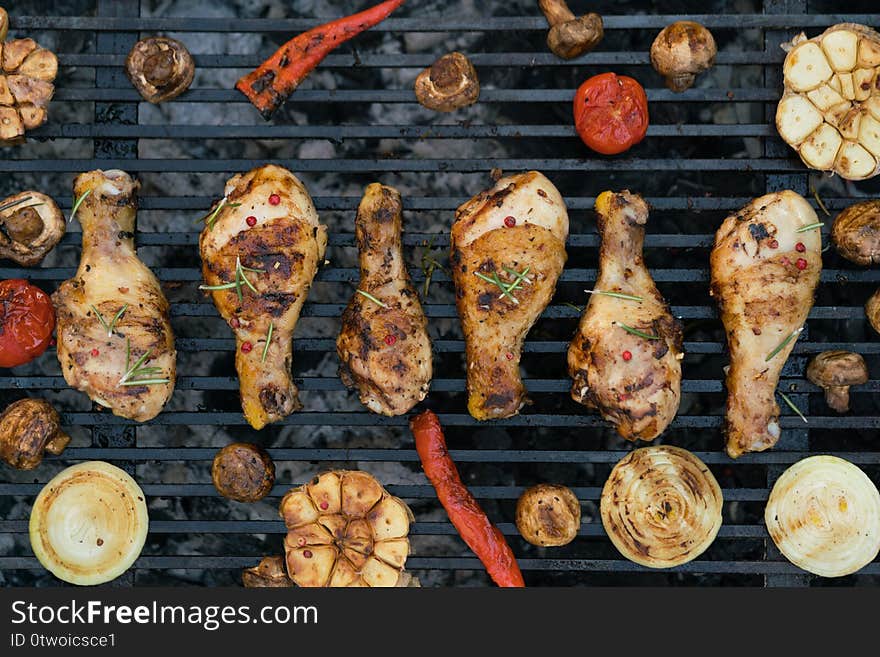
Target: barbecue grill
708,151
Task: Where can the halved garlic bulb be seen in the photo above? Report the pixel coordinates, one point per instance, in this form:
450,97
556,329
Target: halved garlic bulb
824,516
830,111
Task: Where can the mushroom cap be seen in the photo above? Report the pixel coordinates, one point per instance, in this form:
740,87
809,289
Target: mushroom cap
31,225
243,472
4,24
448,84
684,48
160,68
576,36
548,515
872,310
837,368
856,233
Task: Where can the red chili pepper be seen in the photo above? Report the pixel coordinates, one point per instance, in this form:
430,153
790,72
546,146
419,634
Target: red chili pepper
27,320
274,80
481,536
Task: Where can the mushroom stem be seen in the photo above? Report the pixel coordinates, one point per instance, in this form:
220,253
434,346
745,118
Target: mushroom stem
556,11
837,398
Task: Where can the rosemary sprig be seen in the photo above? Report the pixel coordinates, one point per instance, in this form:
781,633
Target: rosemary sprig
641,334
804,229
429,265
616,295
268,341
133,372
792,406
78,202
791,336
819,201
240,279
211,218
571,305
371,298
111,327
507,289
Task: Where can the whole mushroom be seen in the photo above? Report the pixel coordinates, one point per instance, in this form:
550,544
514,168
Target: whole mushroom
856,233
835,372
270,573
31,224
28,428
160,68
243,472
448,84
4,24
682,51
872,310
570,36
548,515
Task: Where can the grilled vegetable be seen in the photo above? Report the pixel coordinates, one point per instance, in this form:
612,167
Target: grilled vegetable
856,233
481,536
89,523
160,68
274,80
344,529
682,51
835,372
448,84
26,322
243,472
29,427
548,515
26,75
830,111
824,516
570,36
270,573
30,226
661,507
611,113
872,310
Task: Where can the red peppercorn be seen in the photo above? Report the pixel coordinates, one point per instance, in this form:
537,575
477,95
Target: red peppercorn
510,222
246,347
627,355
325,505
800,247
801,264
307,554
95,352
274,199
301,541
509,356
785,260
773,244
234,323
251,221
390,339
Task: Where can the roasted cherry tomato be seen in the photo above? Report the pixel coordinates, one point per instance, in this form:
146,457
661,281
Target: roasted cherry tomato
611,113
27,320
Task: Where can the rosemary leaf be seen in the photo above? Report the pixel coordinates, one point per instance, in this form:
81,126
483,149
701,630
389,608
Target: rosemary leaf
616,295
102,320
12,204
371,298
804,229
571,305
211,218
268,341
224,286
819,201
792,406
641,334
78,202
134,373
782,344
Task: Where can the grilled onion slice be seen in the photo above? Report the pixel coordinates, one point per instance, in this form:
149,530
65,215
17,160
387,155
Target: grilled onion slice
89,523
824,516
661,507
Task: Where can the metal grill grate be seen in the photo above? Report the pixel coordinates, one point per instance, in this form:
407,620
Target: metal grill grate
709,151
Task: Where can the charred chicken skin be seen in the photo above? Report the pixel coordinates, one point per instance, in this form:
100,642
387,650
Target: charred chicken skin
261,247
765,267
625,359
114,333
507,252
384,347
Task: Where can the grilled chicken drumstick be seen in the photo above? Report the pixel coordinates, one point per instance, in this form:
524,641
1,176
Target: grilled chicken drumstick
508,250
765,267
114,334
260,248
384,347
625,359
